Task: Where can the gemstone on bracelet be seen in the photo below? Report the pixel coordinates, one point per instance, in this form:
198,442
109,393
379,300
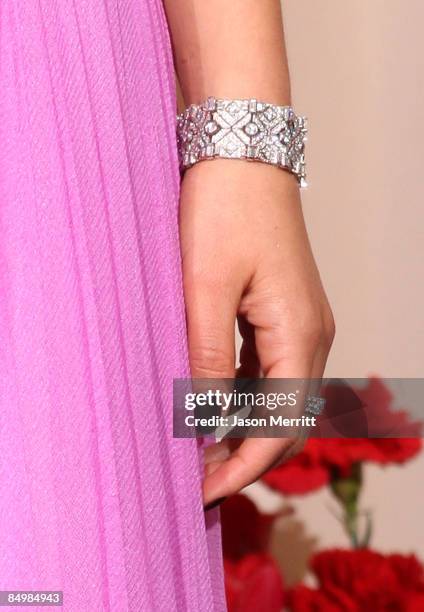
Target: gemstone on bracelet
287,112
211,128
299,144
233,108
210,104
253,105
252,152
269,114
210,150
251,129
230,148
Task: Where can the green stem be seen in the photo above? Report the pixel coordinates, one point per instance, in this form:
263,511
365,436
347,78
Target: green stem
347,489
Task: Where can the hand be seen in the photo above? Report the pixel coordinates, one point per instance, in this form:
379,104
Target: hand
246,257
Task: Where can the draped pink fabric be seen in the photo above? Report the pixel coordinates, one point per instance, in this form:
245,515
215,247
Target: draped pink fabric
96,497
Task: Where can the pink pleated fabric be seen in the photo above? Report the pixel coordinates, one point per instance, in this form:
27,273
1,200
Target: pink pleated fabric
96,497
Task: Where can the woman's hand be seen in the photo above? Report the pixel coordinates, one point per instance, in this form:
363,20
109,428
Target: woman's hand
245,250
246,256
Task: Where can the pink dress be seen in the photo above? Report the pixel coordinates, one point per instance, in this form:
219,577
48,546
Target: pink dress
96,497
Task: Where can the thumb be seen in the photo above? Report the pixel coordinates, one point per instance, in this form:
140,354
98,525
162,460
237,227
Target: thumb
211,330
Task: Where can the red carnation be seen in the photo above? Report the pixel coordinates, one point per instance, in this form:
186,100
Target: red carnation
322,460
356,580
252,578
244,529
253,583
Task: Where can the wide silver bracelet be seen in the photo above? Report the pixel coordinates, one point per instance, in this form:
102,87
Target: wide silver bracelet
243,129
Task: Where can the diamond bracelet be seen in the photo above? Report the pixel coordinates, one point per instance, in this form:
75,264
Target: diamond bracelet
243,129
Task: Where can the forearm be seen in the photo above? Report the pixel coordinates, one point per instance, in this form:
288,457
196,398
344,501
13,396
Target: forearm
229,49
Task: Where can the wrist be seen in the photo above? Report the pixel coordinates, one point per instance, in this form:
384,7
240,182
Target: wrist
248,179
232,86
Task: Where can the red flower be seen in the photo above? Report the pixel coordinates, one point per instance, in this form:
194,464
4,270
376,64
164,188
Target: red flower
357,580
305,599
317,463
245,530
301,474
382,420
252,578
323,459
253,583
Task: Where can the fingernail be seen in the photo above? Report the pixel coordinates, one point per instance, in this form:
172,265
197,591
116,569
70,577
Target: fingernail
215,503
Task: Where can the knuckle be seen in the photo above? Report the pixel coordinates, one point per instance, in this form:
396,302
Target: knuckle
316,328
313,333
310,327
330,334
302,327
329,330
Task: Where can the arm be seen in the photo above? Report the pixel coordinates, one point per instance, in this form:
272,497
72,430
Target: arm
229,49
245,250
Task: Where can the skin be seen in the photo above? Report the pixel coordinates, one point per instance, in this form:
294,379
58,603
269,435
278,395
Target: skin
245,251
